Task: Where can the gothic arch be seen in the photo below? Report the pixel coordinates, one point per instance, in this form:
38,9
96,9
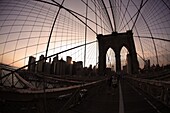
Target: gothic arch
123,55
111,52
116,41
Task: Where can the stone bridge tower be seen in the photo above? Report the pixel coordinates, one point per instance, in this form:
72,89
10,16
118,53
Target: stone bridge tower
116,41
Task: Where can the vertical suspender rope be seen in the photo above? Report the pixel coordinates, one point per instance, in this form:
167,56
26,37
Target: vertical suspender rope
157,60
85,34
45,103
96,27
53,28
107,14
113,15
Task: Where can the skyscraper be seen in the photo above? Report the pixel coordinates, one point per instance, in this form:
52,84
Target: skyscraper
40,64
31,64
69,66
54,65
69,60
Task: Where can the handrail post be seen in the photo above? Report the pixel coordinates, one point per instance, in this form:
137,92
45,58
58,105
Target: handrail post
12,79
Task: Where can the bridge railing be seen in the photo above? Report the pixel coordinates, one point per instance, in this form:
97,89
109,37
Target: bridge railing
27,80
13,79
157,89
87,90
56,99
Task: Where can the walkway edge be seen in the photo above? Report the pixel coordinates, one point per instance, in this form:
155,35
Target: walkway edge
121,104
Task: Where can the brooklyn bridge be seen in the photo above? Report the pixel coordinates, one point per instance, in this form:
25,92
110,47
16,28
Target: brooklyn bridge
84,56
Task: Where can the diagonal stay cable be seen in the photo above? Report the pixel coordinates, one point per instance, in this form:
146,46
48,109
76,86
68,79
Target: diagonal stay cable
95,15
106,11
98,7
53,28
46,53
133,16
156,38
138,13
150,34
166,4
124,13
71,12
114,21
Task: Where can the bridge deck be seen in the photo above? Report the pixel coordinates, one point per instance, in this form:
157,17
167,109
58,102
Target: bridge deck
108,100
123,99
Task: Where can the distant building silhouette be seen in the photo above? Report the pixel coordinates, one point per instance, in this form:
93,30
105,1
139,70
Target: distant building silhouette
61,67
69,66
57,67
69,60
77,68
31,64
147,64
54,65
40,64
47,67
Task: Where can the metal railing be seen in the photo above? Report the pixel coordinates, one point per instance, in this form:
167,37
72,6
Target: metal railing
59,99
157,89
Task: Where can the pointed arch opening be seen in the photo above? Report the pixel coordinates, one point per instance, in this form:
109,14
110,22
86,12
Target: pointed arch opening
124,59
110,59
116,41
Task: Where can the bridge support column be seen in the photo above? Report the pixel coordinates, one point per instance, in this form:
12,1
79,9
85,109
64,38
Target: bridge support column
134,63
102,56
116,41
118,62
133,54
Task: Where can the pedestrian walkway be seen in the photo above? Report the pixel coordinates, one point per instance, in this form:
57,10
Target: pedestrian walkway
123,99
105,101
136,101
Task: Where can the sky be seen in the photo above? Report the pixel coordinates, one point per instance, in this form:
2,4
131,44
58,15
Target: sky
25,27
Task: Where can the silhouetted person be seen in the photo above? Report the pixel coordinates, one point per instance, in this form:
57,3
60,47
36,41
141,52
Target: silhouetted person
109,81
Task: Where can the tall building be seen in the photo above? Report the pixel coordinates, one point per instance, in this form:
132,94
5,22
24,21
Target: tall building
77,67
31,64
54,65
69,60
40,64
61,67
147,64
69,66
47,67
